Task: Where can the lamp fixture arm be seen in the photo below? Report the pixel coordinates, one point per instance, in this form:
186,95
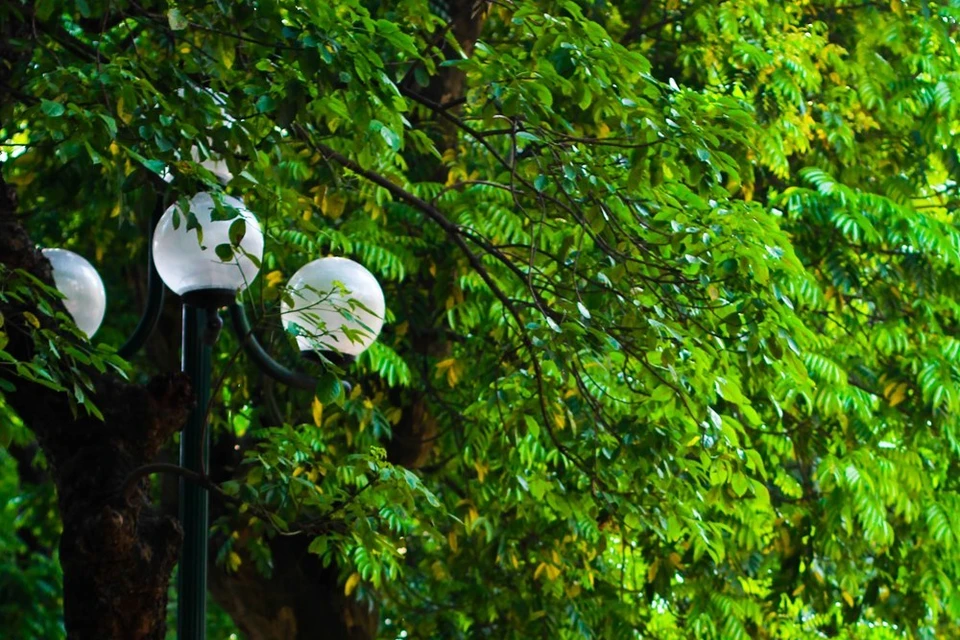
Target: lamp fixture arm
155,295
256,352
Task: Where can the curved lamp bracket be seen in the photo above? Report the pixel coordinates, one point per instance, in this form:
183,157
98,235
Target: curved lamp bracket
155,294
289,377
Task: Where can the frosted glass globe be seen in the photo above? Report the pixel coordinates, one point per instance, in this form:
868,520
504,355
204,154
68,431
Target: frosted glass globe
189,266
85,298
337,306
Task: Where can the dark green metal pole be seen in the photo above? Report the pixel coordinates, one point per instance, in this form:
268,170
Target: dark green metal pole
194,501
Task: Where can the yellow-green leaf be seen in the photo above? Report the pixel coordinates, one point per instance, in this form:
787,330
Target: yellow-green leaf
352,583
333,204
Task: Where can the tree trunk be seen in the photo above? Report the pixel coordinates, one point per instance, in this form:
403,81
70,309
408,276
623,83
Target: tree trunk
303,600
116,552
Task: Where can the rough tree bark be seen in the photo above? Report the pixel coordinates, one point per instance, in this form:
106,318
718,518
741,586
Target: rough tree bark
302,600
117,553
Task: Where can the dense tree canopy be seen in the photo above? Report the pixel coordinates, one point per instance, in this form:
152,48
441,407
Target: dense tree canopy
670,343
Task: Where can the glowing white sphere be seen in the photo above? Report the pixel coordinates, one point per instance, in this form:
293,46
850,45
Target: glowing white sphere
337,306
187,265
85,298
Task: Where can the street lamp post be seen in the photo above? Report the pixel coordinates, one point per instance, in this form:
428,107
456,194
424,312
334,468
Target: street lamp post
196,354
207,253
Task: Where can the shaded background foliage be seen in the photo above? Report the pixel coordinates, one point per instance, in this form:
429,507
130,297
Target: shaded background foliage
671,292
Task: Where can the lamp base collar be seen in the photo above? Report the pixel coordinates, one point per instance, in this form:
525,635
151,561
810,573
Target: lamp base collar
209,298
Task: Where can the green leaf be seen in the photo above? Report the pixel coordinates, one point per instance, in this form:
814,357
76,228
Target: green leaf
318,546
176,19
533,427
392,140
224,252
111,124
52,109
329,389
265,104
238,229
633,521
227,52
542,92
44,9
156,166
739,484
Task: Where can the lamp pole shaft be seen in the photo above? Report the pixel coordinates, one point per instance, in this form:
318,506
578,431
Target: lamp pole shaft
194,500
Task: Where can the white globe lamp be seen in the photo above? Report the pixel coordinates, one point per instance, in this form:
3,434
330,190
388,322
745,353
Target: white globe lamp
334,306
209,268
84,295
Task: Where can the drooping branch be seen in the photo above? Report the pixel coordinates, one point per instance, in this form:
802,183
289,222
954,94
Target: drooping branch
455,235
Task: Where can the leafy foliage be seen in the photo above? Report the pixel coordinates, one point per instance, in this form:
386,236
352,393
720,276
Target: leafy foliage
671,285
62,355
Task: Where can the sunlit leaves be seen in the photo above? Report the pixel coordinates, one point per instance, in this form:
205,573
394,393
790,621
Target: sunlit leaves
677,355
